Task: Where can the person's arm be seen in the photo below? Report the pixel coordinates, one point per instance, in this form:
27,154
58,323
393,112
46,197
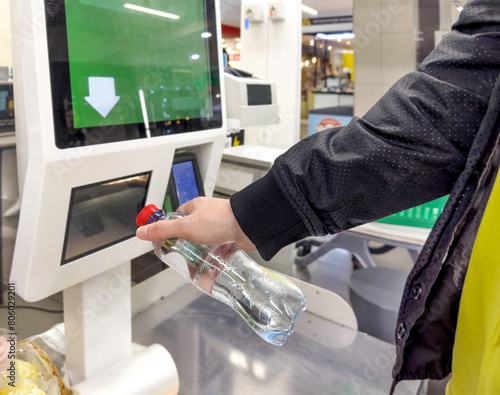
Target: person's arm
408,149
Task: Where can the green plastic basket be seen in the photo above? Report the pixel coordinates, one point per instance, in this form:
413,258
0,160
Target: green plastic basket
423,216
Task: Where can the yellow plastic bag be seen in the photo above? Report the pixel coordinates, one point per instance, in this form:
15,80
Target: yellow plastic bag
23,370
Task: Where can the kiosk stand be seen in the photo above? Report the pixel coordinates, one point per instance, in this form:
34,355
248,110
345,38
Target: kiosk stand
97,323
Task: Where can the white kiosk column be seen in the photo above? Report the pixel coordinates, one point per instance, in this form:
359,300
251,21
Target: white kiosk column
271,39
97,317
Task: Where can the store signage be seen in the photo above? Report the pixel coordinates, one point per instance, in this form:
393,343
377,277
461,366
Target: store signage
327,20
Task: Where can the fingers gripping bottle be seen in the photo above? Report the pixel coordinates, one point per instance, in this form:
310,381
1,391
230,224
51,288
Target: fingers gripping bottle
267,301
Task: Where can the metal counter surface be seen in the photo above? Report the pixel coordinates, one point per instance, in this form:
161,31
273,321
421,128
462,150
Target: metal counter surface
216,353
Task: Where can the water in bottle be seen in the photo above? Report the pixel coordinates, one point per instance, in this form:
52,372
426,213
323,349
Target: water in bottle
269,302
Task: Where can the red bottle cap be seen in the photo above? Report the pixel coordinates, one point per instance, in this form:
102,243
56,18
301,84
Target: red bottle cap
145,214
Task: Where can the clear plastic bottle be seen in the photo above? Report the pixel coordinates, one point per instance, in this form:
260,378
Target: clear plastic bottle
267,301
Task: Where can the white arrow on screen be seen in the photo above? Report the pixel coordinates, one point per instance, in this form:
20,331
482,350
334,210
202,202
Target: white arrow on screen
102,95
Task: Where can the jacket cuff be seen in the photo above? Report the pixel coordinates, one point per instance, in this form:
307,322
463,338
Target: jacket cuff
267,217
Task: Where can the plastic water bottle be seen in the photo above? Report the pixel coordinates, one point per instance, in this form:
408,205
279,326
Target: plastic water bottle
267,301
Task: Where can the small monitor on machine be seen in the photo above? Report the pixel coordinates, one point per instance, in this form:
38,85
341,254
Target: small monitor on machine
259,95
250,100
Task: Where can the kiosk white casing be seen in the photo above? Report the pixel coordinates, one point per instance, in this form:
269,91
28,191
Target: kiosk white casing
47,176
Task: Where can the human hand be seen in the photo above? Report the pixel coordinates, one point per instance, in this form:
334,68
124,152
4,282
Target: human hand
210,221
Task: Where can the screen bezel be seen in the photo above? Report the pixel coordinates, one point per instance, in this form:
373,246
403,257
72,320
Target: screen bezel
61,86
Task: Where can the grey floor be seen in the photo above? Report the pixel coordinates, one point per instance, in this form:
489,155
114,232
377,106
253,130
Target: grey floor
330,272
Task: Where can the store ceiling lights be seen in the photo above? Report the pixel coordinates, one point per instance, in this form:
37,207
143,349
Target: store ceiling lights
458,5
308,10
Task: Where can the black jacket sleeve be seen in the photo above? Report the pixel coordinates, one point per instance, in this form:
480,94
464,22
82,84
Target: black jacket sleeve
408,149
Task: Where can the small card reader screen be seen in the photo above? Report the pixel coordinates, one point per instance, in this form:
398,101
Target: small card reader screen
185,181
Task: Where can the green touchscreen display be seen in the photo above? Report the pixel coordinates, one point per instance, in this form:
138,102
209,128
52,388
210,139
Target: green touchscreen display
137,62
130,69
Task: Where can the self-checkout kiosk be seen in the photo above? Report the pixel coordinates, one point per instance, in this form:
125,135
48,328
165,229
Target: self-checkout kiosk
120,104
107,93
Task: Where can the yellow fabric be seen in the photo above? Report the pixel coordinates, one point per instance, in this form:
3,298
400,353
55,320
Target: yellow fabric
476,353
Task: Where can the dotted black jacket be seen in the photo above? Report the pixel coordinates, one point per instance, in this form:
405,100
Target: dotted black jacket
433,133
